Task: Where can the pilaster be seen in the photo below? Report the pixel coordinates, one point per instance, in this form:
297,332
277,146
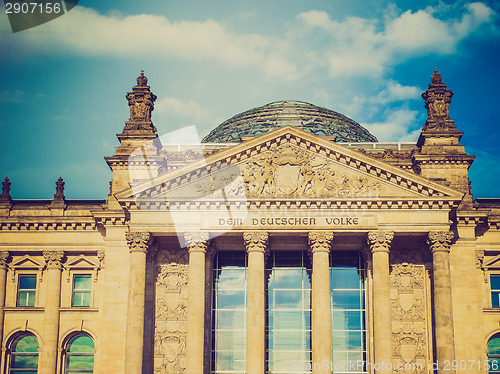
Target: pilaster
4,255
256,244
439,243
380,244
319,250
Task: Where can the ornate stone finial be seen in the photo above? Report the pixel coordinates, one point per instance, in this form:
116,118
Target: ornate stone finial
59,195
380,241
4,255
440,241
320,241
5,196
142,80
196,241
256,241
53,259
437,102
141,102
139,241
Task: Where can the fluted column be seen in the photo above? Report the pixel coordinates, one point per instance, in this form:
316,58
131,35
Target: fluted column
4,255
53,260
380,243
139,244
319,249
439,244
256,246
197,245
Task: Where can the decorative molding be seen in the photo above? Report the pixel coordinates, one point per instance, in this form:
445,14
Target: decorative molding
171,312
139,241
53,259
4,255
319,241
380,241
256,241
49,225
197,241
440,241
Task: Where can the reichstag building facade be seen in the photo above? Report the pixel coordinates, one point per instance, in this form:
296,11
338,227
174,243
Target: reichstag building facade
288,241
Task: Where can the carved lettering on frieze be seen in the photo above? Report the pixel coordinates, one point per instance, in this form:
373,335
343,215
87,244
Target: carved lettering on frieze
171,311
409,317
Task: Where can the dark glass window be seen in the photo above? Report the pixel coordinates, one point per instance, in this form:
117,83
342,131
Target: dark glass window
81,290
24,355
229,312
79,355
288,312
348,310
26,290
495,290
494,355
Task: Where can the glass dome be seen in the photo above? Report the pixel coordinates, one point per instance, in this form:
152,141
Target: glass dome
308,117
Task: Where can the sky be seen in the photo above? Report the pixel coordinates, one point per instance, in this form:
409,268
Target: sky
63,83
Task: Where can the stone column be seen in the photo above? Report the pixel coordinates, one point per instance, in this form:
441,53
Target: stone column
439,244
256,246
4,255
53,260
321,326
380,243
197,245
139,244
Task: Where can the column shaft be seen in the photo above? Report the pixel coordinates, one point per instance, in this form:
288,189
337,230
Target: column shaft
443,317
197,246
380,242
139,243
256,245
321,326
51,315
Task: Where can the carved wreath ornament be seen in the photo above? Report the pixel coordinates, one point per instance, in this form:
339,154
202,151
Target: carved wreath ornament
139,241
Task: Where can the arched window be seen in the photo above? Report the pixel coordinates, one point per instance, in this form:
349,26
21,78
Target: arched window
79,355
23,354
494,354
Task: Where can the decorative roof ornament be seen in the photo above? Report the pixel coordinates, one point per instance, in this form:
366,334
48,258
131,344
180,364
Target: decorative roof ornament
5,196
141,103
437,102
59,195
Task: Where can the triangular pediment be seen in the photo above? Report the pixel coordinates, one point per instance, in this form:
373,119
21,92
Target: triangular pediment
81,262
27,262
289,164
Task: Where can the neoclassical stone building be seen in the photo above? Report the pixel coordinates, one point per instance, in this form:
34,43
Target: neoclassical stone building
288,241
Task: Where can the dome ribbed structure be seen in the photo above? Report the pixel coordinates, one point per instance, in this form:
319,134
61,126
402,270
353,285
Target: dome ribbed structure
308,117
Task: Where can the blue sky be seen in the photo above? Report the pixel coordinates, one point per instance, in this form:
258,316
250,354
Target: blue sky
63,85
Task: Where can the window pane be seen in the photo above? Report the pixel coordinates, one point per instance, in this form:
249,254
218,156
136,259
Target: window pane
80,362
82,282
27,343
229,299
342,299
231,319
81,344
495,299
494,346
345,279
231,279
27,282
24,362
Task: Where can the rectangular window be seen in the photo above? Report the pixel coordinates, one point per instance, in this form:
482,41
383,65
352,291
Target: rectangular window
495,290
288,312
26,290
348,310
229,312
81,290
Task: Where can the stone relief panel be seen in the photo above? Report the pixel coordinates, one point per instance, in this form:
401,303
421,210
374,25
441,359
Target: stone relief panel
170,312
409,313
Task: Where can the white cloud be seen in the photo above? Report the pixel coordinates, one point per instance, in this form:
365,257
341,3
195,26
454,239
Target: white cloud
396,127
14,96
395,91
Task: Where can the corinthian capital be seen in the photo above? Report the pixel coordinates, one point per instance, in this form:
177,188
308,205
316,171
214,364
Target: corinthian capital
380,241
256,241
439,241
53,259
139,241
320,241
197,241
4,255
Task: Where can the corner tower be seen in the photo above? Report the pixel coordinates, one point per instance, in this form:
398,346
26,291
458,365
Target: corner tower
139,143
442,158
